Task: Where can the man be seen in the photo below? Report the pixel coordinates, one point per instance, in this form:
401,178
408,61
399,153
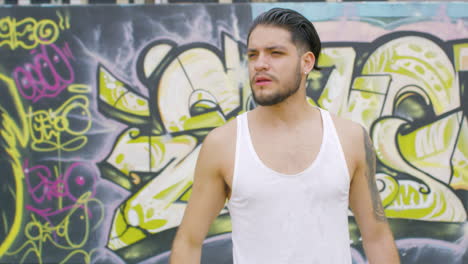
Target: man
292,171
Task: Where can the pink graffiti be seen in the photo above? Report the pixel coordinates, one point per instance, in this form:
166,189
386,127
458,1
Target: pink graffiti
49,74
44,187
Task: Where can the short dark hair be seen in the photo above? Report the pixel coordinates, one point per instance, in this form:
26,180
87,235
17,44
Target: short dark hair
303,33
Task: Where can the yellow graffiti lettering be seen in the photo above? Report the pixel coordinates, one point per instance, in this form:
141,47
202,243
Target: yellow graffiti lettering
39,233
332,97
15,135
48,128
27,33
64,22
429,140
79,88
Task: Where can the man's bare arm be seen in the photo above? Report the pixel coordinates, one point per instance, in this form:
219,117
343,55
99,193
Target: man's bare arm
369,171
207,199
366,204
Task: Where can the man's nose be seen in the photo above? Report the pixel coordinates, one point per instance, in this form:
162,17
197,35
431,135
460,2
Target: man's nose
261,63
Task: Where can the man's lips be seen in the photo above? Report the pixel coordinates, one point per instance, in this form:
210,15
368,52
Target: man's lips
262,80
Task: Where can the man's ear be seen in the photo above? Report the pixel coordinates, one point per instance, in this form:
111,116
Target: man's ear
308,62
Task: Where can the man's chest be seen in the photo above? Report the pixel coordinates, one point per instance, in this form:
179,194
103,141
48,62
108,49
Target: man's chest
287,154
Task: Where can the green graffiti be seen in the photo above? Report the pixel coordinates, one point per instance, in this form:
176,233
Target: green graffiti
161,174
14,138
405,94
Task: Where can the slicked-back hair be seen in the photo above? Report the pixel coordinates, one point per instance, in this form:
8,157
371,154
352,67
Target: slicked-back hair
303,33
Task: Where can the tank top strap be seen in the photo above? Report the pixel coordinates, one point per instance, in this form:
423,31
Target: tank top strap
327,121
241,126
334,139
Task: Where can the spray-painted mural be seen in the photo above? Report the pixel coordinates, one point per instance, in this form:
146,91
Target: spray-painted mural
103,110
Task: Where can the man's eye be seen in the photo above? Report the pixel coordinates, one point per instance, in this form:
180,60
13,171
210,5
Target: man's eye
251,55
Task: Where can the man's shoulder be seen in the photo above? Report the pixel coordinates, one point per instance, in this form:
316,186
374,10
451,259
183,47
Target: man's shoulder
347,129
219,146
352,136
222,135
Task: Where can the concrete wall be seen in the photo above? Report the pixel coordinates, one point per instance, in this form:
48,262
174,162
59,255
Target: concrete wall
103,110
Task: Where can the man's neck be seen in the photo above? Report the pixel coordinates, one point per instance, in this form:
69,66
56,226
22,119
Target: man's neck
290,113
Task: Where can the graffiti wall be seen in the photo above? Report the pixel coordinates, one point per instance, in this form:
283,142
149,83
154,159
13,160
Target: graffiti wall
103,110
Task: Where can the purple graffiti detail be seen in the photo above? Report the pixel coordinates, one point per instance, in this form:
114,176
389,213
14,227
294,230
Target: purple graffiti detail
428,250
44,187
49,74
80,180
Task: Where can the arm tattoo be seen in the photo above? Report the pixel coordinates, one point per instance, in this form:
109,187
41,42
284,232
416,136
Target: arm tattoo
379,212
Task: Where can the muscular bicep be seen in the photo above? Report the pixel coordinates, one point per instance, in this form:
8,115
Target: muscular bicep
207,197
367,207
365,199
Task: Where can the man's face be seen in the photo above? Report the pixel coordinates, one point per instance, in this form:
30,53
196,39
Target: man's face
274,65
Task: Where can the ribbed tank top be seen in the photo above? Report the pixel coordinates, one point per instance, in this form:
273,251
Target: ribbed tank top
290,219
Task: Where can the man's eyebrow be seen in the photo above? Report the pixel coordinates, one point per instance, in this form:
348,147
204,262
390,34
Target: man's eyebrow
276,47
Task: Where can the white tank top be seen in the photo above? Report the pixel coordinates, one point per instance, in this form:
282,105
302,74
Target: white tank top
290,219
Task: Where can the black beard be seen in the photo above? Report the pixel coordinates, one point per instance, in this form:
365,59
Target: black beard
280,96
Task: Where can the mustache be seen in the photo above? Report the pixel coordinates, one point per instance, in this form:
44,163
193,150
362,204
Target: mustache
271,77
